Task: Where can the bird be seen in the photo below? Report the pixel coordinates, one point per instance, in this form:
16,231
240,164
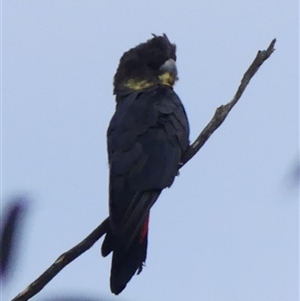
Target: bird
146,139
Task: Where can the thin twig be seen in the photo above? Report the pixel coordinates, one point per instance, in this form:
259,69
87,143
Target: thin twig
63,260
222,111
218,118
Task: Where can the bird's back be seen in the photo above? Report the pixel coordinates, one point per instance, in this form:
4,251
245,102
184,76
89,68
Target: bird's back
146,139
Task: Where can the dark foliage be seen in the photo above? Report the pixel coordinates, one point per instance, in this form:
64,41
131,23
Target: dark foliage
11,228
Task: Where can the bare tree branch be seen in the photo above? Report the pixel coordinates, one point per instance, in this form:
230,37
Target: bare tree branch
62,261
222,111
218,118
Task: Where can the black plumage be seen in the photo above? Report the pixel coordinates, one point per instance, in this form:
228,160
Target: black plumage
145,140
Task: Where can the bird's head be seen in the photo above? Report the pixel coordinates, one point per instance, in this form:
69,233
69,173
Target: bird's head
147,64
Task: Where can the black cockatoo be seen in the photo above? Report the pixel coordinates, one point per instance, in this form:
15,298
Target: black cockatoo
146,139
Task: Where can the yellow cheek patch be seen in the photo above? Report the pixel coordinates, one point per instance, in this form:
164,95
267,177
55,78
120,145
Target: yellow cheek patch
167,79
138,85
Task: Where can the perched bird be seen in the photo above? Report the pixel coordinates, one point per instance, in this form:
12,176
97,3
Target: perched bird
146,139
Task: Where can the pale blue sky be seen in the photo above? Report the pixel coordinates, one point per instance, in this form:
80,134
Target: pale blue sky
227,230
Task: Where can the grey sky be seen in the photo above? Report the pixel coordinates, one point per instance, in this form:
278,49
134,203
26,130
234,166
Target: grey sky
228,227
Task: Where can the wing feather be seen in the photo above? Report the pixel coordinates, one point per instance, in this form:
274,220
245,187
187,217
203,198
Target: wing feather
146,139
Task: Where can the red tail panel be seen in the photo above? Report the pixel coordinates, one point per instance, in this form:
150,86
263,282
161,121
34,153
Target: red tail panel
144,229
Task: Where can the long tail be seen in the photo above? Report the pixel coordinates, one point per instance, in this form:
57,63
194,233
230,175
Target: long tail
129,246
126,262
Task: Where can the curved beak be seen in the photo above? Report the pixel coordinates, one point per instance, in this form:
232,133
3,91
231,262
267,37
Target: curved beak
170,67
